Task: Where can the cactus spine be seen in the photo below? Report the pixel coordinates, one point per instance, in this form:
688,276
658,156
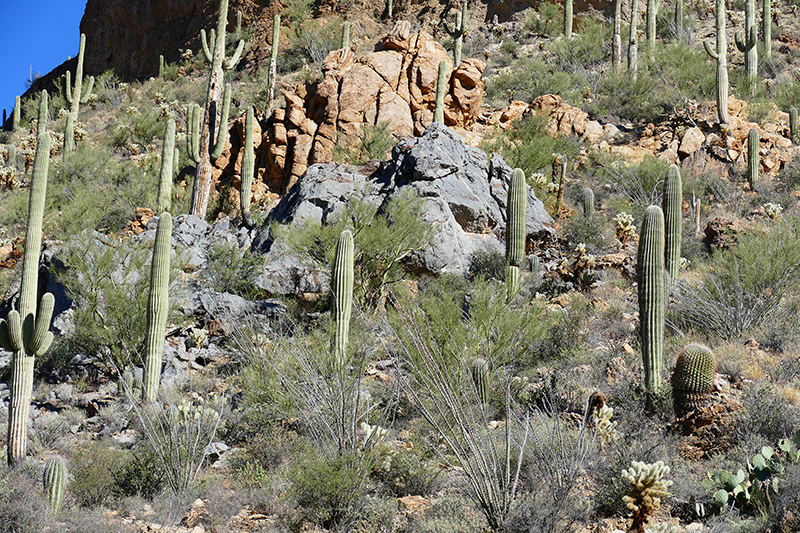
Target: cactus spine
157,307
441,80
25,333
793,123
164,200
721,56
616,46
54,480
515,231
273,63
457,32
587,199
342,298
633,49
248,169
482,379
345,35
78,95
650,274
693,378
766,27
15,116
672,205
222,131
650,25
568,19
747,44
752,158
201,190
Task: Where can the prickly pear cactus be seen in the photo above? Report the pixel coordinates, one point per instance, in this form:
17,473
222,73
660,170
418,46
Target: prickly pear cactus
693,378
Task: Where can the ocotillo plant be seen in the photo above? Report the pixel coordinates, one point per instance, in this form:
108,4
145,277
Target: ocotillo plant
345,35
222,131
650,275
616,46
25,333
164,201
515,230
457,33
342,298
273,64
587,199
568,19
746,43
215,53
650,25
793,123
54,480
248,169
633,48
157,307
193,133
721,56
752,158
79,95
672,203
766,27
482,379
15,116
441,81
693,378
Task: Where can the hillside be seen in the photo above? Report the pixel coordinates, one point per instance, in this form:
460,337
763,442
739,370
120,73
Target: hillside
486,278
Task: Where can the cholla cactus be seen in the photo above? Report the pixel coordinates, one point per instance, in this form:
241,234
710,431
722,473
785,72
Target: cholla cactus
648,488
623,227
606,429
663,528
773,211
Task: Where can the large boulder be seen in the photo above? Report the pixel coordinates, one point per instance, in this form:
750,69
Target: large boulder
464,198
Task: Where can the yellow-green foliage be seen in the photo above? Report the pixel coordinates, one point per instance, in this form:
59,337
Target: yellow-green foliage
648,489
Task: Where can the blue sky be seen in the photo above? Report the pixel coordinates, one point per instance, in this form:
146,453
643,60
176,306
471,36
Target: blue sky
37,35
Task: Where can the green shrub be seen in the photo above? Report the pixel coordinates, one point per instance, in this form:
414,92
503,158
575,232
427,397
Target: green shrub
229,269
548,22
640,185
372,142
92,469
487,265
23,507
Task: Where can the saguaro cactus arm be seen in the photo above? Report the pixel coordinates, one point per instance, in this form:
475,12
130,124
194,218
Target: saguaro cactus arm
342,298
157,307
672,207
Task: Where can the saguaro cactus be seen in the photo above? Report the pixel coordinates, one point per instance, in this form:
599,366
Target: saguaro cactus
752,158
41,123
248,169
793,123
157,307
616,46
54,480
215,53
766,27
69,135
587,199
693,378
222,131
345,35
650,25
78,95
161,66
650,274
633,48
678,20
457,32
342,298
15,116
515,230
672,204
193,133
25,333
746,43
164,201
441,89
568,19
481,377
721,56
273,63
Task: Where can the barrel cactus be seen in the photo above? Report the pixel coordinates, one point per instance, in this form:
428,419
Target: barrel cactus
650,275
54,480
693,378
481,377
342,298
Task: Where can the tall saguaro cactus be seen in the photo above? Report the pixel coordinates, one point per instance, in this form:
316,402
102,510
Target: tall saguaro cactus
25,333
16,115
441,86
342,298
41,122
273,63
568,19
650,25
222,131
69,135
672,206
457,32
752,158
678,20
616,46
793,123
515,230
766,27
215,53
248,169
650,274
193,133
157,307
167,159
746,43
633,47
78,95
721,56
